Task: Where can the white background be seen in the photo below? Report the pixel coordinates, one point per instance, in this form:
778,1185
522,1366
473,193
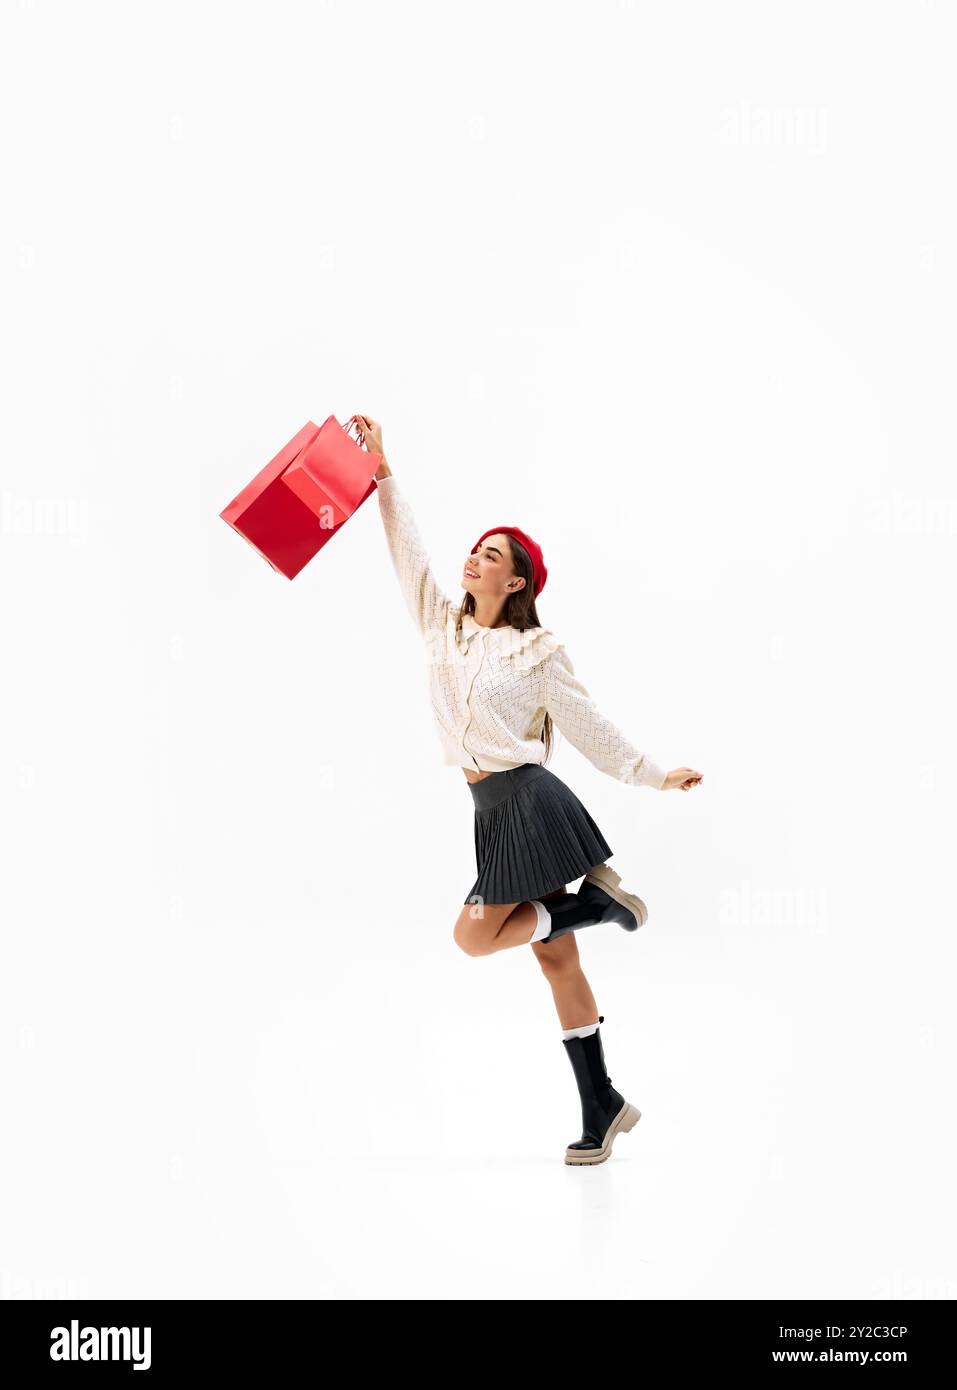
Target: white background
673,287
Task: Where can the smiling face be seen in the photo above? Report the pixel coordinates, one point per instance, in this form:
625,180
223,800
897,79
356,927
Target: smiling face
489,571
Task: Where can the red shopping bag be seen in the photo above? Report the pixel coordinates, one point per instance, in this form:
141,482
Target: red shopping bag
304,495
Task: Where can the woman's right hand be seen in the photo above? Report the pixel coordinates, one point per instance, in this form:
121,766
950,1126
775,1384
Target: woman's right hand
371,435
683,777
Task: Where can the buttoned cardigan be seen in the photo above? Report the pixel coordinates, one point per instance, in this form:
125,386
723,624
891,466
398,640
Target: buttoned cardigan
490,687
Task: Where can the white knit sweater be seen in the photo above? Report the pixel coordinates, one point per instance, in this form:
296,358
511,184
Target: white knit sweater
491,687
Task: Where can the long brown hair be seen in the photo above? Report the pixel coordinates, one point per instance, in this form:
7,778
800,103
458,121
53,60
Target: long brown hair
519,612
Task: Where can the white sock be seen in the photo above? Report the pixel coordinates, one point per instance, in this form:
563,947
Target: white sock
583,1032
544,921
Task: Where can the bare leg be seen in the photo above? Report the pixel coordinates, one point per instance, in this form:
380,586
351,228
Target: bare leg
484,928
479,926
561,966
517,928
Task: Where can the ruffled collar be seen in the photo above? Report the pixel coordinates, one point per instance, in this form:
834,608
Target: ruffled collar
529,645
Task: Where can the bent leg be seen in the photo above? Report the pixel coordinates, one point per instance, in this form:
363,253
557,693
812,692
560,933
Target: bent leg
478,924
484,928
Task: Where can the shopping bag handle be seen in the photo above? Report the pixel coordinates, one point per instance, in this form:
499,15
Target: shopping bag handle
358,438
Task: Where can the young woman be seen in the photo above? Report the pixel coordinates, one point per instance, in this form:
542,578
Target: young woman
498,681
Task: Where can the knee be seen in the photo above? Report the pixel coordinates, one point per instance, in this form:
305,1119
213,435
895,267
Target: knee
468,934
467,940
557,959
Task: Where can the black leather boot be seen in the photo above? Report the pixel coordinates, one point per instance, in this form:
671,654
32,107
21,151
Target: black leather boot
605,1112
600,899
571,912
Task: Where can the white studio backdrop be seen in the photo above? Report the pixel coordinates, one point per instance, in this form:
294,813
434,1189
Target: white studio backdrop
672,287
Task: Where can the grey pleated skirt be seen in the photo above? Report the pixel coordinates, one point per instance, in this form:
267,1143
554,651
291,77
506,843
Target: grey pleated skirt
532,835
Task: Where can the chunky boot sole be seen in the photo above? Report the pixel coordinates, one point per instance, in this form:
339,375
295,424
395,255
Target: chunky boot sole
603,876
626,1119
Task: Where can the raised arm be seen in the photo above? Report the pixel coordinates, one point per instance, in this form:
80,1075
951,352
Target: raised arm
424,598
579,719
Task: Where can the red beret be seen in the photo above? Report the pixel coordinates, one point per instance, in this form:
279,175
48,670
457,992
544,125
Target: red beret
539,572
